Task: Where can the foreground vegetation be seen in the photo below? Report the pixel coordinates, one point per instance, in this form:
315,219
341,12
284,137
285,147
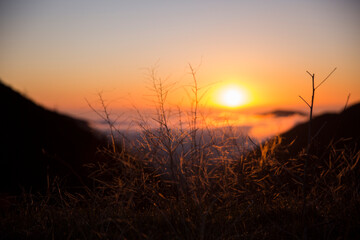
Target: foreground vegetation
194,183
238,197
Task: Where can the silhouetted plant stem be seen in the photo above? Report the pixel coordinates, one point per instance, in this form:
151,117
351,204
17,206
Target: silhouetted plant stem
305,181
311,114
161,93
308,151
105,115
194,109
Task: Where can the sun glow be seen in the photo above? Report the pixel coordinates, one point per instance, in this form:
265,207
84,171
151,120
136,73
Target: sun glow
232,96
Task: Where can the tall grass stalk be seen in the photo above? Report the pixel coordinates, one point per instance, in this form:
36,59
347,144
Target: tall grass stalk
308,148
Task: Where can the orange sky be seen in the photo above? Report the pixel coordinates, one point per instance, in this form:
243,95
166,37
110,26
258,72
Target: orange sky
62,52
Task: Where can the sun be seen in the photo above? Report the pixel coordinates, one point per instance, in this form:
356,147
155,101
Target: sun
232,96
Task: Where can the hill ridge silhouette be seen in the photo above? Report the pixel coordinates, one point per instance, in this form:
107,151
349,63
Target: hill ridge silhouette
38,145
341,128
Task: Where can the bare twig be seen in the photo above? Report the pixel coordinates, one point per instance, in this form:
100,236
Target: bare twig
106,117
347,102
318,132
305,101
256,145
326,78
308,148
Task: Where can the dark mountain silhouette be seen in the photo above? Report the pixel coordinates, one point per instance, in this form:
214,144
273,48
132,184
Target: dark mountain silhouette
283,113
38,146
341,129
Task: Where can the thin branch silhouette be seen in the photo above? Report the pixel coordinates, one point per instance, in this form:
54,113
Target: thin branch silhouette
326,78
304,101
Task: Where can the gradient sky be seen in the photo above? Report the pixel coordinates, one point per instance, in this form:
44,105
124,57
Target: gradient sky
61,52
